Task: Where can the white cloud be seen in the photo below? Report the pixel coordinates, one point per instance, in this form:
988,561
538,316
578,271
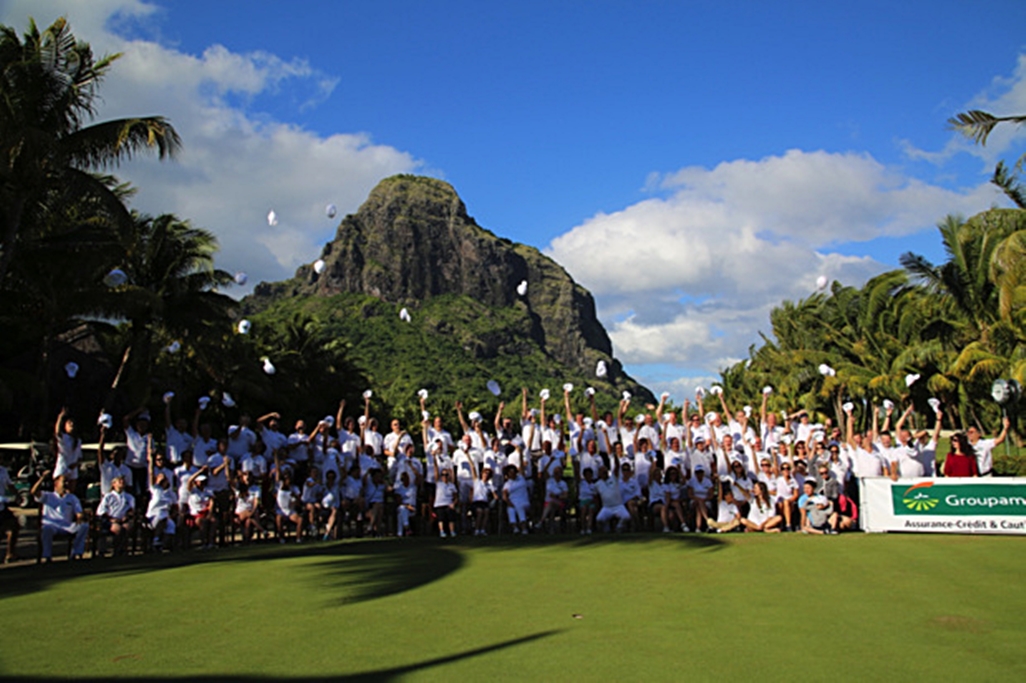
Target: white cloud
236,164
689,279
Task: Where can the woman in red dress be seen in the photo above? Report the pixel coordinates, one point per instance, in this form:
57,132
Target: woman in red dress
961,461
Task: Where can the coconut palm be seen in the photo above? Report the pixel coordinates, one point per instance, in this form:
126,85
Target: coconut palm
48,88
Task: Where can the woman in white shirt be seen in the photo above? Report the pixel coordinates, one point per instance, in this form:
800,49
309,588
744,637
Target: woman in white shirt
69,450
761,513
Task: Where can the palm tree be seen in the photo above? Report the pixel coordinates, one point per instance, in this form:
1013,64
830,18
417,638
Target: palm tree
48,89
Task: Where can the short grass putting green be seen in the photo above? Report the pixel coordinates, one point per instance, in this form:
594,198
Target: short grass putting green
861,607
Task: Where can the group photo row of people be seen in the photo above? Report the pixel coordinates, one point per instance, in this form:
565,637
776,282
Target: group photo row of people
194,484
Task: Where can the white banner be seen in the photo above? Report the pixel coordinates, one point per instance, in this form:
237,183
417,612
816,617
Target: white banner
954,506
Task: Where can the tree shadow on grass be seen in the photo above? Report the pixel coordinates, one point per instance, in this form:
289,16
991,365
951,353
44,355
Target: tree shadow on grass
392,674
359,570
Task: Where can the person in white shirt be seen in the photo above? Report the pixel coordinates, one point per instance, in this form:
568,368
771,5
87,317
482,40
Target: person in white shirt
374,488
112,466
630,490
176,435
481,498
700,495
556,494
395,443
299,449
788,490
269,429
728,516
137,427
516,495
61,514
985,447
446,498
762,512
286,502
69,450
674,494
160,511
115,513
927,445
311,497
405,490
248,495
200,503
204,444
608,488
240,440
644,459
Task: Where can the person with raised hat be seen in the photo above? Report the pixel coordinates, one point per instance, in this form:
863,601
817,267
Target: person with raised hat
240,440
984,448
68,446
137,426
177,436
700,495
200,502
395,443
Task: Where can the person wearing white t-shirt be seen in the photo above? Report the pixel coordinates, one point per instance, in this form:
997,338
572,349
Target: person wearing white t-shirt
69,449
762,512
240,439
111,465
728,516
700,495
395,442
115,513
517,497
176,435
286,502
556,495
985,447
446,499
788,491
137,428
405,490
927,445
587,503
644,459
61,514
481,498
204,444
607,486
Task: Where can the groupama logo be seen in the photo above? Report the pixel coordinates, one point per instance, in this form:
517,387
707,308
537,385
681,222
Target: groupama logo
964,499
918,497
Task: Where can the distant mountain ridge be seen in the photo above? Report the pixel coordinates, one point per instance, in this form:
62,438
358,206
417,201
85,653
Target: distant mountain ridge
411,244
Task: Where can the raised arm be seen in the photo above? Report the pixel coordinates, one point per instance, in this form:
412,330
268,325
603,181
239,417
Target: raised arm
887,419
875,434
566,407
338,414
100,445
904,416
542,415
149,460
939,414
685,419
459,413
524,410
498,417
1005,424
57,428
594,410
723,403
126,421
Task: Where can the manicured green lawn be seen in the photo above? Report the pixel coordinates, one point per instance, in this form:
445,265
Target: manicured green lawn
858,607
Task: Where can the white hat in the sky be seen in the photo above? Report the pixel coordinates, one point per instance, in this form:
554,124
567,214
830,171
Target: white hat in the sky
626,395
494,387
568,387
268,366
404,315
522,288
911,379
71,368
272,218
174,347
244,326
544,394
821,282
227,401
241,278
318,266
423,393
367,394
203,402
330,210
600,369
168,396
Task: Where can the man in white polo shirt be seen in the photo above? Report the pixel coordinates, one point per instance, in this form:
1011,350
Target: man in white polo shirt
985,447
608,488
62,514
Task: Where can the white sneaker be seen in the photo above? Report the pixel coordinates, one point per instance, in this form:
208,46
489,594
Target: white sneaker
442,534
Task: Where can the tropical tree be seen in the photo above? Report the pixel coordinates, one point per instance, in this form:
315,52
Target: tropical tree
49,150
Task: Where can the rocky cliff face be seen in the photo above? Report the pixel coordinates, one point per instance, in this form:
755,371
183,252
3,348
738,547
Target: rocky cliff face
412,240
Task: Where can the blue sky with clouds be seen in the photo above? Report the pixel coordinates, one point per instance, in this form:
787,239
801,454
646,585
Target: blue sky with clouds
692,163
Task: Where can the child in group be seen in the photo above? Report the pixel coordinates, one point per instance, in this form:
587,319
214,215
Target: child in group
331,503
374,487
311,497
728,516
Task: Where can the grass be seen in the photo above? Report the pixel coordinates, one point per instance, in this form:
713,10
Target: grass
651,608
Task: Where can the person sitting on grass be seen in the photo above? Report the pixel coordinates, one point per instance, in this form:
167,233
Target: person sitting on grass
728,516
787,496
657,497
762,513
248,494
62,515
700,495
556,494
115,513
816,510
608,488
846,514
446,498
201,509
331,503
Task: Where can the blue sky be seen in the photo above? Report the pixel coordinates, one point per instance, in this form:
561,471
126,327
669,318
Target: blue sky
692,163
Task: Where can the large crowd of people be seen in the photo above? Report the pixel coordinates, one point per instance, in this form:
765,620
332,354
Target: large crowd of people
700,469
